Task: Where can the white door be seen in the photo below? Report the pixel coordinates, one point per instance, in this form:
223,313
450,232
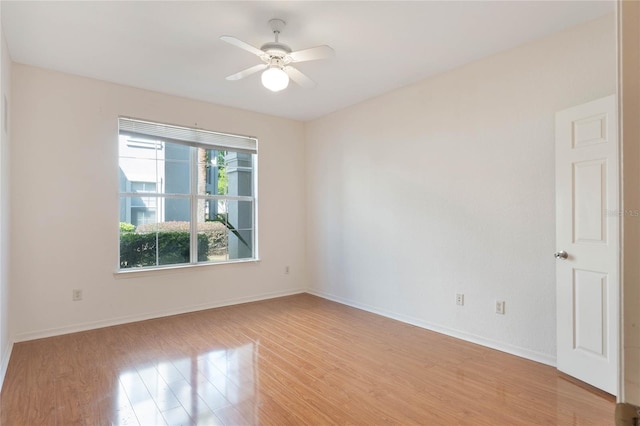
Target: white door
587,224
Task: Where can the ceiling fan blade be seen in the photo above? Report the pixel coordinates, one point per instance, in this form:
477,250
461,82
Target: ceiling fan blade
299,78
245,73
242,45
312,53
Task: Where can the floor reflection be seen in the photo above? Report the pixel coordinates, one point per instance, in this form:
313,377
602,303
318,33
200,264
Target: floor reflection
212,388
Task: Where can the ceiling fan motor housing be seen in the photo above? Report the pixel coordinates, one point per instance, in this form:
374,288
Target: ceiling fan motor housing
275,49
276,62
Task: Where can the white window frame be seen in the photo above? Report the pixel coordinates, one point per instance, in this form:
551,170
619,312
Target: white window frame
194,138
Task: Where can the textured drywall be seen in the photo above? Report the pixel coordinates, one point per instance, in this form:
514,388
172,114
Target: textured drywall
447,186
64,206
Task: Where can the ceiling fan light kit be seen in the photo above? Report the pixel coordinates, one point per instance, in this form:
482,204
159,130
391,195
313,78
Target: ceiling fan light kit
275,79
277,58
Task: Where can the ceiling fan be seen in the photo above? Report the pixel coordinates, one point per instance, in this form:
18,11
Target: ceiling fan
277,58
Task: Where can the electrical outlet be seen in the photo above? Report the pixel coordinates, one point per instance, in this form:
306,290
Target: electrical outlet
460,299
500,307
286,269
76,294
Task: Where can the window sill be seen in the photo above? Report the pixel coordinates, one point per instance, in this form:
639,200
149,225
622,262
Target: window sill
173,269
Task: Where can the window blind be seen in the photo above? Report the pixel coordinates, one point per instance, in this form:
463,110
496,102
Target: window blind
184,135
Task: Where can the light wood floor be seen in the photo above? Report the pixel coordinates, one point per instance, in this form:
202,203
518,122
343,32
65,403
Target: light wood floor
294,360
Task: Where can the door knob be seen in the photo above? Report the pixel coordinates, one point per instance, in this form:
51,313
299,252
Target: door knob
561,254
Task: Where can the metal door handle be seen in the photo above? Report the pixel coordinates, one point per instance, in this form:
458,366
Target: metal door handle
561,254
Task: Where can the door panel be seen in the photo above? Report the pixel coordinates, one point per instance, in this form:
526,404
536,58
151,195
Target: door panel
590,319
590,131
590,183
587,228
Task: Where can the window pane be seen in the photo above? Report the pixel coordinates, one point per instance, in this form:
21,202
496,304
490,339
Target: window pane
137,170
212,178
144,187
239,171
175,169
137,248
212,228
225,173
138,161
229,231
176,176
238,218
176,151
174,238
165,164
148,237
138,210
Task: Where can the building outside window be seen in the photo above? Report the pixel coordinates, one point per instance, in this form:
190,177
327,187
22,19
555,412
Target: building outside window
142,209
187,196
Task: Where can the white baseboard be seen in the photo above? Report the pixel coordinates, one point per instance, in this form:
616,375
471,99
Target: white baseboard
32,335
503,347
5,362
500,346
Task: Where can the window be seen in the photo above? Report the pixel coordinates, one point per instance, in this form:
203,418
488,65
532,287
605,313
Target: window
187,196
143,209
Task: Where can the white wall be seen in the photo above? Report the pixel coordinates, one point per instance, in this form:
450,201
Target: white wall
447,186
64,206
5,85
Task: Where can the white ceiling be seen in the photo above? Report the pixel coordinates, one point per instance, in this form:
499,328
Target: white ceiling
173,46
